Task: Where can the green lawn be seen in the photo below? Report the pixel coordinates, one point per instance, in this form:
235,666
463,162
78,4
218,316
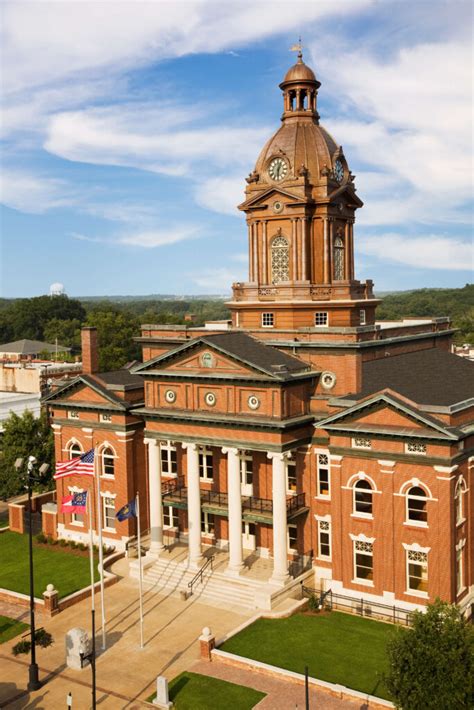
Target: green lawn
67,572
336,647
10,628
192,691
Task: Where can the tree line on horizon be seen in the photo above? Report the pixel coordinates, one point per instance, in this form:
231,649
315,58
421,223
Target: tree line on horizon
61,318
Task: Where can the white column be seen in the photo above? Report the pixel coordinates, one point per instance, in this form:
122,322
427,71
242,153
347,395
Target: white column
280,557
236,562
154,493
194,506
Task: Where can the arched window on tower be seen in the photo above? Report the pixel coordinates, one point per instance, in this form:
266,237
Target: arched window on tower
280,260
338,257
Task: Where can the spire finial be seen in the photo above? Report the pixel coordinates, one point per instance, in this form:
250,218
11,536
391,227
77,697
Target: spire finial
298,47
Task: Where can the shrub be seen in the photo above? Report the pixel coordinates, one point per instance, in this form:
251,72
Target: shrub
313,603
43,638
73,544
41,538
63,543
53,541
81,546
21,647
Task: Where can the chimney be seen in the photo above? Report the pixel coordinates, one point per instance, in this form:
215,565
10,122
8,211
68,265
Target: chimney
90,353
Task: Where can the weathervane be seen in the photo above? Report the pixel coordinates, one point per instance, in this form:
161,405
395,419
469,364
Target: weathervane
298,48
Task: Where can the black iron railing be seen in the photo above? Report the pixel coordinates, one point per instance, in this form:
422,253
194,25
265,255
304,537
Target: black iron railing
198,576
301,563
295,503
356,605
175,484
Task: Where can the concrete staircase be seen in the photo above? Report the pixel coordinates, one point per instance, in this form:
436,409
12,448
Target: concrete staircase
170,576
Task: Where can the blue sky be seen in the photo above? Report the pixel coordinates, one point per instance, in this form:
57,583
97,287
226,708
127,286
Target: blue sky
128,129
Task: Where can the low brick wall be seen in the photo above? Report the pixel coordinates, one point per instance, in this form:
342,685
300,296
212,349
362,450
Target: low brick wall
336,690
51,606
16,517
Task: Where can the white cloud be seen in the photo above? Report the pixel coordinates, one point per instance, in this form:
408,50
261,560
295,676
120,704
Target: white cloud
421,252
47,41
221,194
147,239
144,136
34,194
218,280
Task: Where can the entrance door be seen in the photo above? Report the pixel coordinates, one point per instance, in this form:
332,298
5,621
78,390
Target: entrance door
246,476
248,535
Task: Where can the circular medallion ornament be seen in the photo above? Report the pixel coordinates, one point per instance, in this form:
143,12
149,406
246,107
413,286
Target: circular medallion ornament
210,399
207,360
328,380
278,169
339,171
278,206
170,396
253,402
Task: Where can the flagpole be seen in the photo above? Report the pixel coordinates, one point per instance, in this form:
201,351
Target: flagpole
140,569
101,553
91,556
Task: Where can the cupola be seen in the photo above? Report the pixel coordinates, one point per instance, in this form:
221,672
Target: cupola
300,91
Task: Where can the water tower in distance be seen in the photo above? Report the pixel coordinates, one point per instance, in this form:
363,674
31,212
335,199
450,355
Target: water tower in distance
56,289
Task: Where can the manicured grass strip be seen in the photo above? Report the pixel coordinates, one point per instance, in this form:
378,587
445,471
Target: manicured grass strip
67,572
336,647
192,691
9,628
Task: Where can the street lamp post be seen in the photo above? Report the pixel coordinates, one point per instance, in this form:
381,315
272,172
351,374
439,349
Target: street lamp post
34,682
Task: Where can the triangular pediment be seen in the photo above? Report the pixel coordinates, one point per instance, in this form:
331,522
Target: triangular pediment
227,354
83,390
271,192
386,413
347,193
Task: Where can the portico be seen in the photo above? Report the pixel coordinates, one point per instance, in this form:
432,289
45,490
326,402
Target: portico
237,510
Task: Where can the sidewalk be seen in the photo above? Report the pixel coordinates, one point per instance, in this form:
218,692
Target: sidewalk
281,695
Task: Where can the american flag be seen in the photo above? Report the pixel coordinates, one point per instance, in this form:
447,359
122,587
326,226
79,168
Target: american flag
82,465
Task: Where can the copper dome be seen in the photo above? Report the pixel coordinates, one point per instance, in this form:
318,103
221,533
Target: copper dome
300,143
299,72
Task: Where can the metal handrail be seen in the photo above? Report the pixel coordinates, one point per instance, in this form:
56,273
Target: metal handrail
199,574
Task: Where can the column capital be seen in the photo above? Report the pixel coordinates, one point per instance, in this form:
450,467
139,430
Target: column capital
189,446
150,442
279,455
232,450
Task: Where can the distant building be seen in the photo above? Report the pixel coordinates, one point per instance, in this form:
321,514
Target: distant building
56,289
29,350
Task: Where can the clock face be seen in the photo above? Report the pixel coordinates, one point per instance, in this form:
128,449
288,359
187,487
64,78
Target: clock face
278,169
338,170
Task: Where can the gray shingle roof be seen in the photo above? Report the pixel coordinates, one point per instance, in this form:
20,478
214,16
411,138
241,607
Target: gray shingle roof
431,376
30,347
255,352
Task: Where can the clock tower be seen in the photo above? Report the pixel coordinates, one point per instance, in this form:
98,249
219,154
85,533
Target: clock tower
300,207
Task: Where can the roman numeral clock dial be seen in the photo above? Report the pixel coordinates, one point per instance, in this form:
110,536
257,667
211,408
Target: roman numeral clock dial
278,169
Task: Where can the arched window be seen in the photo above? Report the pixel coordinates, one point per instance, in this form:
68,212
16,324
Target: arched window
108,462
75,450
280,260
416,505
363,498
459,501
338,257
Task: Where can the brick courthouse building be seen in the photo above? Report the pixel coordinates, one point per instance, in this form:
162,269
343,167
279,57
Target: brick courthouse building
302,432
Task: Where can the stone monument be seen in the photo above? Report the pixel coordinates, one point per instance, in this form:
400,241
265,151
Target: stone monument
77,642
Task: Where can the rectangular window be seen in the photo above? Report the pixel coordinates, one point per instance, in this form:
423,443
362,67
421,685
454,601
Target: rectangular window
105,417
361,443
459,570
109,513
417,571
324,490
73,414
324,539
293,538
320,318
207,523
415,447
169,463
291,476
170,517
267,320
205,465
362,316
363,561
246,470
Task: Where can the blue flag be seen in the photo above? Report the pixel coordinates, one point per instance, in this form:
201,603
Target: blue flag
128,511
